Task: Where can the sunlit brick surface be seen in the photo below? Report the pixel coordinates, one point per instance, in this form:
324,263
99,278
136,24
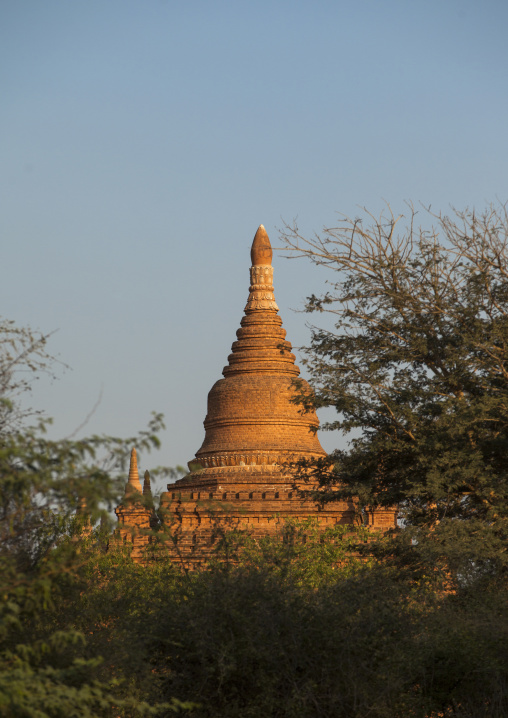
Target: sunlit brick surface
241,476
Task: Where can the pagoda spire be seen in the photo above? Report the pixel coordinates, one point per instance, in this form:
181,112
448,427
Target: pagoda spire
133,484
252,417
261,345
261,274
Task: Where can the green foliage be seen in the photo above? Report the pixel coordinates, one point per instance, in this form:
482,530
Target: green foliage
49,491
417,369
298,552
268,636
216,637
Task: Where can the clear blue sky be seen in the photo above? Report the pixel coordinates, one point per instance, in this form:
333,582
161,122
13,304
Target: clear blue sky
143,141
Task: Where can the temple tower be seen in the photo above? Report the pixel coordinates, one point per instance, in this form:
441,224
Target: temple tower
135,513
251,420
253,429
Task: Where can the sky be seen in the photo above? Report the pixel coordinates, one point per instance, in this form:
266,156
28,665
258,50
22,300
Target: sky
142,142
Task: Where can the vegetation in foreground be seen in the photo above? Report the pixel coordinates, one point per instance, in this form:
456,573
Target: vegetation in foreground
279,629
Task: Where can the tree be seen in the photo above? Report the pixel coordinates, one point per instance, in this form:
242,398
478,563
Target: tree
46,669
416,367
285,631
23,358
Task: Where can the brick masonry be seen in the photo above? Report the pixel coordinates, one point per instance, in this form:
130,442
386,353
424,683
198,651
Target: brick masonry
241,475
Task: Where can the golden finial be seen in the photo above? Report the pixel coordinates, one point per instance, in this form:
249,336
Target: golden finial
261,274
261,250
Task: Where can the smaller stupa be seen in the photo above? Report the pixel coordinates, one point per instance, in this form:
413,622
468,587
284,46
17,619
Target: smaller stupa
135,513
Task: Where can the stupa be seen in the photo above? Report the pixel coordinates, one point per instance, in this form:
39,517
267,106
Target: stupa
135,514
241,476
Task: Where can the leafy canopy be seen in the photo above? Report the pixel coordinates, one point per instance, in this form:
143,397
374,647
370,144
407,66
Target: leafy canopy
47,669
416,366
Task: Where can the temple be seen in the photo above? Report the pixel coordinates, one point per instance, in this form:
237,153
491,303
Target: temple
241,475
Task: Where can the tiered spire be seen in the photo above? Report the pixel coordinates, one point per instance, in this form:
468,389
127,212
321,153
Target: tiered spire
135,513
252,418
261,274
261,345
133,484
